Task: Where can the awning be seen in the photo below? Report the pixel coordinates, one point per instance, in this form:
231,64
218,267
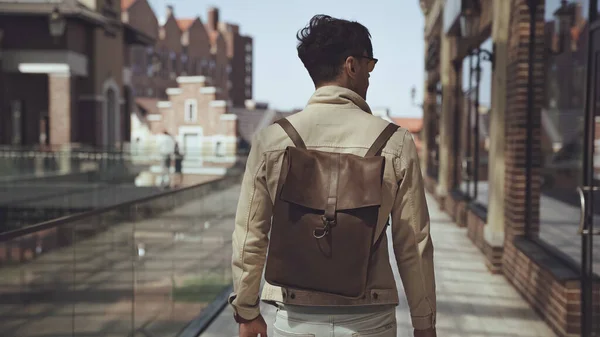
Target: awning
67,8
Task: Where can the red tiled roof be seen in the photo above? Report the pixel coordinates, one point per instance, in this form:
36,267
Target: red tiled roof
413,125
125,4
185,24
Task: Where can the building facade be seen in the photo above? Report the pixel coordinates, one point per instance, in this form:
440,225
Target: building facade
239,52
63,84
510,113
86,66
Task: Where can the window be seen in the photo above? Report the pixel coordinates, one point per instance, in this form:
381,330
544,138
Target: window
434,130
150,61
203,66
184,64
248,93
191,110
164,62
474,124
219,149
229,69
562,154
248,80
248,59
248,47
197,67
174,69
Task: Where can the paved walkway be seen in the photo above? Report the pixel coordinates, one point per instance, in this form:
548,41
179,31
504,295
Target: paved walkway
471,301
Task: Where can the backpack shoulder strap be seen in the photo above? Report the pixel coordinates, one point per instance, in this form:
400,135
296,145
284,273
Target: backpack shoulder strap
291,132
380,142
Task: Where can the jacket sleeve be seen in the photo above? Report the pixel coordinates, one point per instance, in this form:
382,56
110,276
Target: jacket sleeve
250,236
411,238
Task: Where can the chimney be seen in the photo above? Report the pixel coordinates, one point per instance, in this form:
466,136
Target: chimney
169,11
213,18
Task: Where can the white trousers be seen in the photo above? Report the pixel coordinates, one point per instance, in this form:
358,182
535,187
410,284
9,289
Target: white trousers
290,323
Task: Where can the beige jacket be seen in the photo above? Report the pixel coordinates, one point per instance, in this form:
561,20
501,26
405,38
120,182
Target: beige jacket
338,120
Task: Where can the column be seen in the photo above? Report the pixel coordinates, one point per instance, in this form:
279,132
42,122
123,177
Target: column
517,110
59,108
424,157
494,230
59,112
448,79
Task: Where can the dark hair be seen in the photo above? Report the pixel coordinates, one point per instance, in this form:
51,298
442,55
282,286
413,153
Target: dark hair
326,42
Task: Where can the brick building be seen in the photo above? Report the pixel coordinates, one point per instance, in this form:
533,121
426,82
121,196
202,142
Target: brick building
64,83
76,78
239,52
198,115
509,169
185,47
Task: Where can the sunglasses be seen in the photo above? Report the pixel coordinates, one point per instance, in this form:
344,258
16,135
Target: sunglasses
372,61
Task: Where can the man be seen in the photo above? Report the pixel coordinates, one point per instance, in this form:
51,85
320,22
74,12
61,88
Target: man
178,163
339,57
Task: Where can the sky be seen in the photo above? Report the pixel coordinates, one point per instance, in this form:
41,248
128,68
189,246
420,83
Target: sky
280,78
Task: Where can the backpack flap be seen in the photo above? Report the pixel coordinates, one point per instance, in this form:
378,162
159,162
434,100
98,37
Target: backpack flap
308,180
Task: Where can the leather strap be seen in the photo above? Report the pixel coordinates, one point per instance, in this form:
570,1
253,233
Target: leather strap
380,142
334,175
291,132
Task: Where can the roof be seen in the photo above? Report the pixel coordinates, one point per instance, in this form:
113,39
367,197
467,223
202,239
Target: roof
125,4
148,104
413,124
249,121
185,24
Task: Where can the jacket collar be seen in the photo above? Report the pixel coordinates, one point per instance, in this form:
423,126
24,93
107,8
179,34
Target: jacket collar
340,96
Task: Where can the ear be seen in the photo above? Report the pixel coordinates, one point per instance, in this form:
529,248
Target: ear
351,66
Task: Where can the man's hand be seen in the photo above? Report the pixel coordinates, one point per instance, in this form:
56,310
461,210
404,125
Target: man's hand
254,328
425,333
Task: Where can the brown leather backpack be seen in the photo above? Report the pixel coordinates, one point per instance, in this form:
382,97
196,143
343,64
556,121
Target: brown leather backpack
324,217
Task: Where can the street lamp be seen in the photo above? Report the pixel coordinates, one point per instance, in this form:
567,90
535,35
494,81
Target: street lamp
469,18
413,95
57,24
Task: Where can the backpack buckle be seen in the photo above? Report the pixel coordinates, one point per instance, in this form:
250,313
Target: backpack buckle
320,233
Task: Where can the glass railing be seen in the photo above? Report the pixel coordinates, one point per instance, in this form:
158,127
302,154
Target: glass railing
27,163
41,184
141,268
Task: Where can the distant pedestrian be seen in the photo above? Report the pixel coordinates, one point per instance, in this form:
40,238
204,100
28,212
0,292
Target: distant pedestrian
178,161
166,145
